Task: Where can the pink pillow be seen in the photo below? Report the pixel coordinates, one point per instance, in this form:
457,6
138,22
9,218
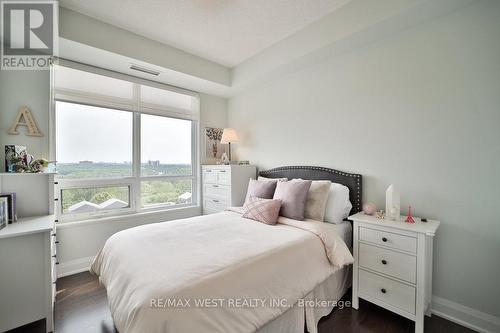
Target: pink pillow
260,189
293,196
262,210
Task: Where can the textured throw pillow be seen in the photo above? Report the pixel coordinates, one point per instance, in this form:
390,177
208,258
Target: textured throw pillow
293,196
338,205
272,179
260,189
262,210
316,199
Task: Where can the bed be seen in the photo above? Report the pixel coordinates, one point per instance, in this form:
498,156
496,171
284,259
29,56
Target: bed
225,273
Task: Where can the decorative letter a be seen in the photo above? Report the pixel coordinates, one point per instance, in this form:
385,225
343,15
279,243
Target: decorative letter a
25,118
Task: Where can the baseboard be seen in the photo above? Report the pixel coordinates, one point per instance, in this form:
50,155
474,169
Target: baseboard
74,266
455,312
465,316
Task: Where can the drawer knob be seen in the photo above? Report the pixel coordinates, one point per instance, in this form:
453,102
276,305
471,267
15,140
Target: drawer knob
383,291
384,239
215,200
384,261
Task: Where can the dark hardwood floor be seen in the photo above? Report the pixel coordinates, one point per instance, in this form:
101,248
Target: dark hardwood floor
82,307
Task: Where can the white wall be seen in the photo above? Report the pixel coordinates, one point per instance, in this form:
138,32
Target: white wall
24,88
420,109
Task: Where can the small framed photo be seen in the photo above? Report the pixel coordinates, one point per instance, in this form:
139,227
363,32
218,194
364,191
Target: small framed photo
4,212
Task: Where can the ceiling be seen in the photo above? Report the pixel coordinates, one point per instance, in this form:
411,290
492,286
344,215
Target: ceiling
225,31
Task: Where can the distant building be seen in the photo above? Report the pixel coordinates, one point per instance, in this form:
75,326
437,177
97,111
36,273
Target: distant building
83,207
113,204
85,162
185,197
154,163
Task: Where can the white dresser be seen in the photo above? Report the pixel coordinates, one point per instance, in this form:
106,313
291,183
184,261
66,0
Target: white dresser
27,272
225,186
393,265
28,253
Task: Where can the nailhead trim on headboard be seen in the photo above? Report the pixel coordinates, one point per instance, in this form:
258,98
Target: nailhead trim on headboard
353,181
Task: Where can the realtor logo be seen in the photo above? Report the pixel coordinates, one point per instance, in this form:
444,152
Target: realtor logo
28,31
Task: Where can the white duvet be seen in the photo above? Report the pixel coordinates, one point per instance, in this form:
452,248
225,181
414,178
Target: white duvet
214,273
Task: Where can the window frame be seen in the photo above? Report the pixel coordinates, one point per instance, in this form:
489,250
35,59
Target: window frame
137,108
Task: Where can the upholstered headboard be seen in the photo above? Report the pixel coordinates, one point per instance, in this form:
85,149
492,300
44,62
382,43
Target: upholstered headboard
351,180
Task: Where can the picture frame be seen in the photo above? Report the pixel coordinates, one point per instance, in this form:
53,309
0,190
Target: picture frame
213,149
4,212
12,205
15,158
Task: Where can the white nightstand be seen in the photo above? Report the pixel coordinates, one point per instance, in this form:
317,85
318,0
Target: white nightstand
393,265
225,186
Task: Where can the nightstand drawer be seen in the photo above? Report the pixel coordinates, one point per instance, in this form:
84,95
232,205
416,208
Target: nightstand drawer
388,291
396,264
388,239
215,205
221,191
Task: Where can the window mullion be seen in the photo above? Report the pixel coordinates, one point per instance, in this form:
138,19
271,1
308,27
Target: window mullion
137,148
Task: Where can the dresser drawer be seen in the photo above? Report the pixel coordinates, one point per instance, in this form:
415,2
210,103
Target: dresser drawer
388,291
396,264
213,205
388,239
224,177
220,191
210,176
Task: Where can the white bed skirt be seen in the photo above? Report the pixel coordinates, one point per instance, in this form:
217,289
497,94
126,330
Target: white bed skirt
295,319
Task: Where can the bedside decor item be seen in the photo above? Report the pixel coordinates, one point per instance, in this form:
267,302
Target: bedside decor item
229,136
4,212
39,165
392,203
11,203
15,158
224,159
380,214
213,146
26,119
369,208
409,218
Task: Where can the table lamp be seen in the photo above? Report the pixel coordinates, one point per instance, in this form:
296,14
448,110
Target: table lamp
229,136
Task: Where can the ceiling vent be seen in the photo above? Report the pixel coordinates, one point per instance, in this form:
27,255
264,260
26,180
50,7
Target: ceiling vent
144,70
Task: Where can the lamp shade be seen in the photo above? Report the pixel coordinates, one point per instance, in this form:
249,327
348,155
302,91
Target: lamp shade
229,136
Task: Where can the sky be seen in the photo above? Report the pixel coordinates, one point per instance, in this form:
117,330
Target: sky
87,133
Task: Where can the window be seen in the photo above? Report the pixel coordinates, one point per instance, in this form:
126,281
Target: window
122,146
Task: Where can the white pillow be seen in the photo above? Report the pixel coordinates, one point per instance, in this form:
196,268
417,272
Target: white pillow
262,179
338,205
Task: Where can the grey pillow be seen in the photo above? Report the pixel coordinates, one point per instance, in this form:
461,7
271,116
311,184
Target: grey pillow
260,189
316,199
293,196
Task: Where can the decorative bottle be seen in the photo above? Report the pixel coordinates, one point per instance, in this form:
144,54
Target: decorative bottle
392,203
